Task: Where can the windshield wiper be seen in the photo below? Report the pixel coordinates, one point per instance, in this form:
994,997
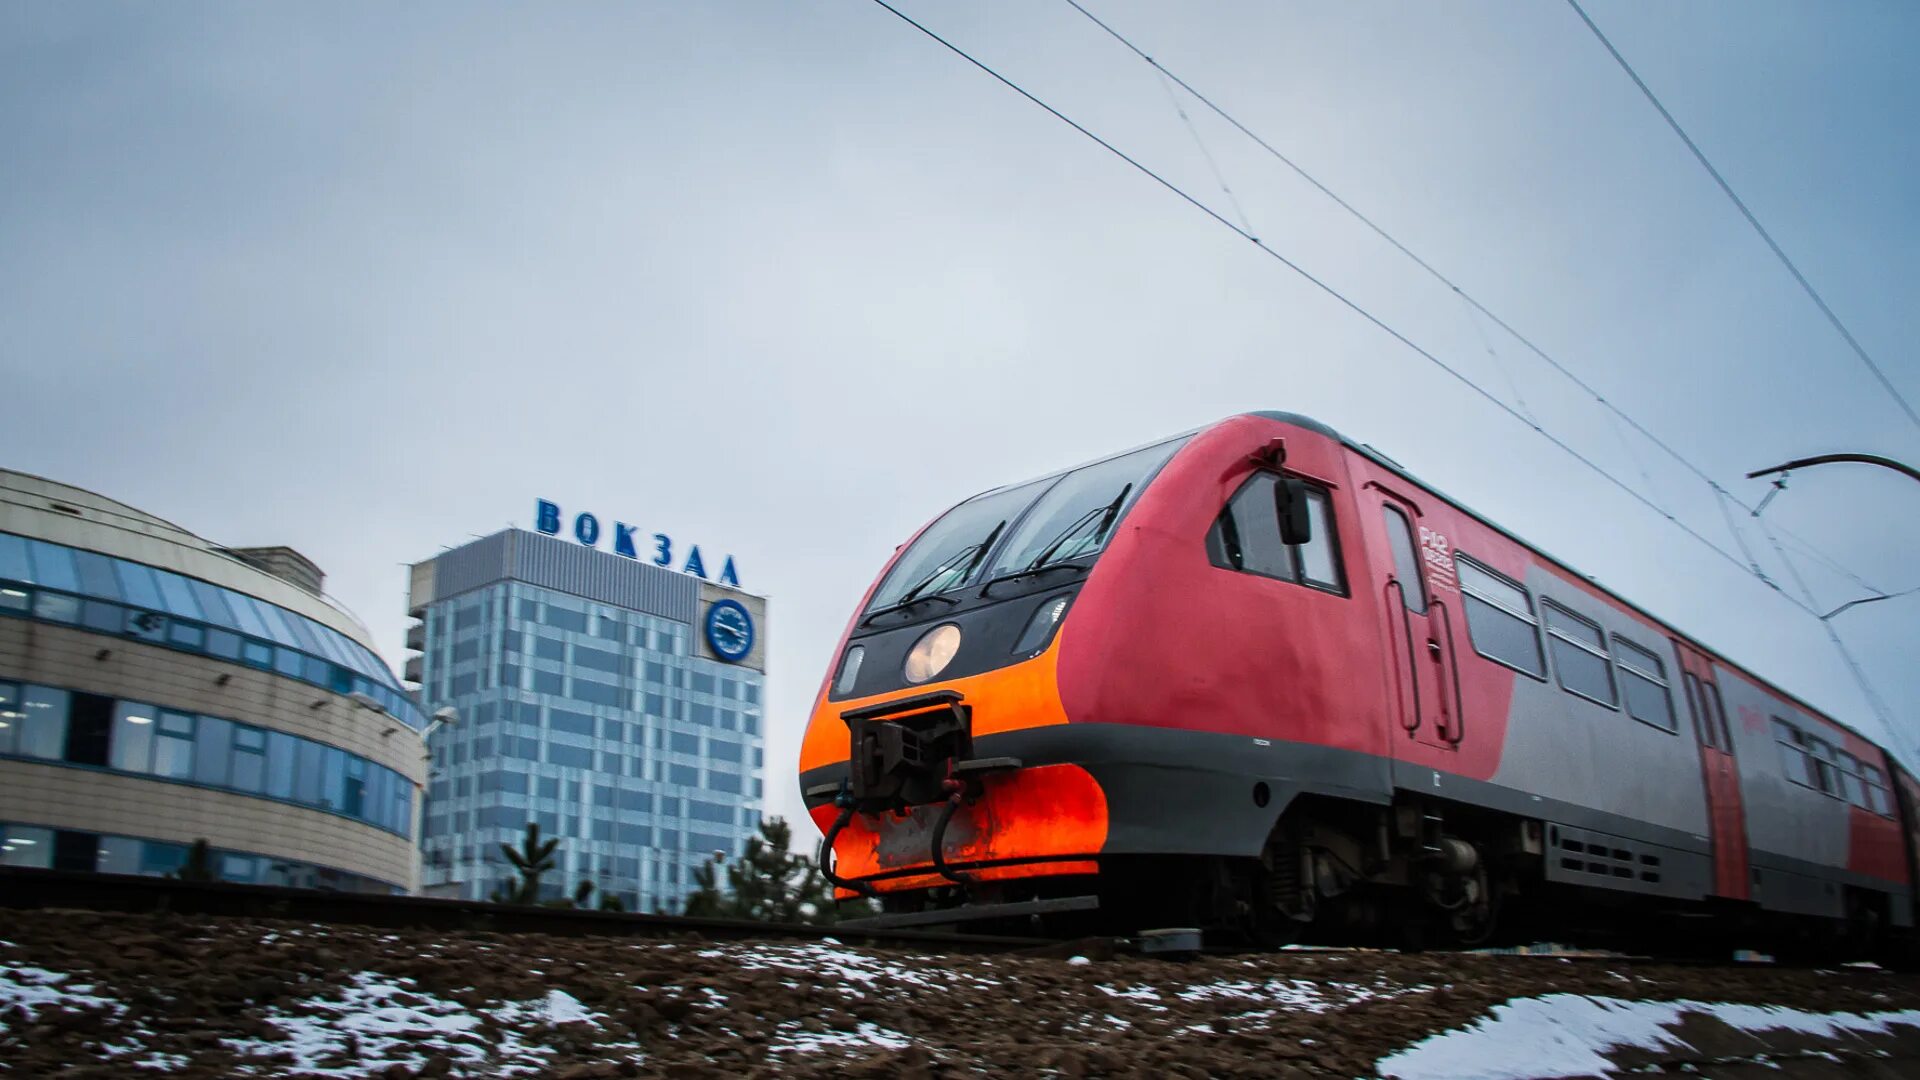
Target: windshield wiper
973,553
1043,561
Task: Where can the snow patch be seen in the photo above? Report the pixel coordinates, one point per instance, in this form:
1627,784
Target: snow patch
378,1020
1571,1035
36,988
794,1041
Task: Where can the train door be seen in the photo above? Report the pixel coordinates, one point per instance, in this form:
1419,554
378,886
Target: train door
1726,817
1425,673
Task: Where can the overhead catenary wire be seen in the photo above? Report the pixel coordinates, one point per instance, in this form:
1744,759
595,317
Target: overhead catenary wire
1719,491
1874,701
1343,299
1741,205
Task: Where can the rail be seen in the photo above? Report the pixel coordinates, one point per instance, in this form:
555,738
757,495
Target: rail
32,888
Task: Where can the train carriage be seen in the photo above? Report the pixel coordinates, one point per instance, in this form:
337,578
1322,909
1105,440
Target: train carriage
1256,678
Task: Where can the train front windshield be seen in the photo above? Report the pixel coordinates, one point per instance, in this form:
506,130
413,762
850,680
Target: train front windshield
1006,531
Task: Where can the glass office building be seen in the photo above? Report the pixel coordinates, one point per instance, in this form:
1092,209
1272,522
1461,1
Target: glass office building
591,700
156,690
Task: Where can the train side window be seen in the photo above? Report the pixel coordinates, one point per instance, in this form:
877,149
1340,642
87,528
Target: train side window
1820,753
1848,768
1643,682
1793,756
1406,562
1500,620
1697,708
1878,800
1579,654
1246,537
1712,694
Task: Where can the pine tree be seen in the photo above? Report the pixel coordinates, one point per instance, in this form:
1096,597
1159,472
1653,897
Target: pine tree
767,883
198,865
533,859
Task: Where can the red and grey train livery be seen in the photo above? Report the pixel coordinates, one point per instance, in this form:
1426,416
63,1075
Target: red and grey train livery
1258,679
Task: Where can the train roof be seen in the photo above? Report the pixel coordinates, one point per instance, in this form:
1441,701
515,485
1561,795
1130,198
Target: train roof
1310,424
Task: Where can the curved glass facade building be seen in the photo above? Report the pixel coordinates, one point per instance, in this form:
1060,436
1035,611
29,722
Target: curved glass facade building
156,690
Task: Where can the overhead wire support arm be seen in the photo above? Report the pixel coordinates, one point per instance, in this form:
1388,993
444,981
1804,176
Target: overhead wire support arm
1900,467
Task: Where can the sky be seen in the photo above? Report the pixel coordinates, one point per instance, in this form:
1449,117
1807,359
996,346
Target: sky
787,279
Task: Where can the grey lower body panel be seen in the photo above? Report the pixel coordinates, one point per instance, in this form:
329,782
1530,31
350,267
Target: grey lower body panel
1177,792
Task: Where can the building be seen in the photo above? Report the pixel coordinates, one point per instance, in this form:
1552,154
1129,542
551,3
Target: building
156,690
592,702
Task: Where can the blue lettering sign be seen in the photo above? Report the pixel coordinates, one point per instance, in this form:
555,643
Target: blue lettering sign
586,529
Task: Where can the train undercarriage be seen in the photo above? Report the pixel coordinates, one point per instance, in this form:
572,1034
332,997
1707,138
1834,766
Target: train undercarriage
1419,874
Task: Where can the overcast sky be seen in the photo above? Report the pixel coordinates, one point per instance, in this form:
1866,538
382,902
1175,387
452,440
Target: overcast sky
785,279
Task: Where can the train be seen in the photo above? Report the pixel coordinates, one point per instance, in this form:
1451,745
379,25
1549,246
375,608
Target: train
1258,680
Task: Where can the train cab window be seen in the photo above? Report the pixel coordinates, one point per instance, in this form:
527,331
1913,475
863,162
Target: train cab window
1246,537
1500,620
1579,654
1643,682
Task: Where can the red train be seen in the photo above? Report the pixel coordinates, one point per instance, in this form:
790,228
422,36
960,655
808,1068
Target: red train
1257,679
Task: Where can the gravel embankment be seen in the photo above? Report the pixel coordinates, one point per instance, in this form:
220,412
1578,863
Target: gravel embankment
94,995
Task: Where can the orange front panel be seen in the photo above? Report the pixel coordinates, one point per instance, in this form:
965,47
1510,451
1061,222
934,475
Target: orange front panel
1050,812
1023,695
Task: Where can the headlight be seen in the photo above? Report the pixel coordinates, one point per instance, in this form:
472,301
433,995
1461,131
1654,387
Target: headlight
849,669
1040,628
932,653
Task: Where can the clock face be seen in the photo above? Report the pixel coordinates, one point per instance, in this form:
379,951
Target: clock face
729,630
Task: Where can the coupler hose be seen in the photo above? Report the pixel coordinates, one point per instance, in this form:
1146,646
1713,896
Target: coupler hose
956,793
844,801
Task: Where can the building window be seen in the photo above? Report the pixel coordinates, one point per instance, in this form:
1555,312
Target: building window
1643,680
173,746
43,727
1579,654
1500,620
1246,537
249,759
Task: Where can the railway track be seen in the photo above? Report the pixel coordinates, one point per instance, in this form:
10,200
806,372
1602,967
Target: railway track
24,888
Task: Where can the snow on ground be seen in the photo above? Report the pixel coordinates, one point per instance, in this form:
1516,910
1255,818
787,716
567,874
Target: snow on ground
1573,1035
35,989
851,971
386,1020
792,1040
